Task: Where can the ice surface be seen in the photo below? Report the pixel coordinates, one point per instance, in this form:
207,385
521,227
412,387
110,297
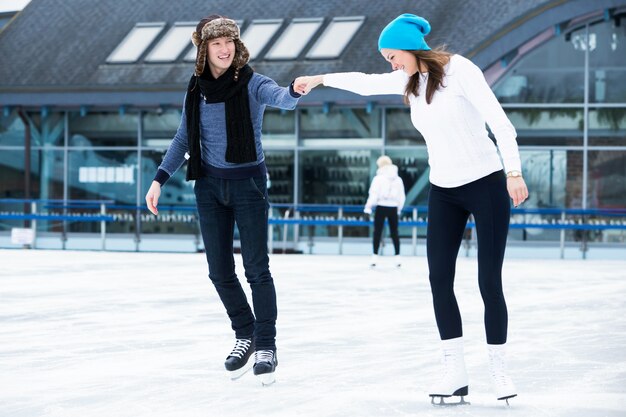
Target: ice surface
95,334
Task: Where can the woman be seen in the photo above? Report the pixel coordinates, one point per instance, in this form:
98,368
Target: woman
220,135
450,102
386,193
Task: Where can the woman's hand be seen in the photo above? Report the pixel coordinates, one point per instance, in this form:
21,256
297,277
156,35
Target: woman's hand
517,190
152,197
303,85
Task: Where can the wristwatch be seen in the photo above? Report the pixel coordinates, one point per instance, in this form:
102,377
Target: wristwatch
513,174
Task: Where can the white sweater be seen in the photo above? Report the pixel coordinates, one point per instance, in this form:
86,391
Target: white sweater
453,125
387,189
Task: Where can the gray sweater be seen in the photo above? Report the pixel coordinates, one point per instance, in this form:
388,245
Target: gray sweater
262,92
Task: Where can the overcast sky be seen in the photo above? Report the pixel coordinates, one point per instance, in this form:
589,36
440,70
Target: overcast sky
12,5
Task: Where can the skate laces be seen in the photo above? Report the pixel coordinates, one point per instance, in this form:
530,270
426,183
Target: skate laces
241,347
263,356
498,371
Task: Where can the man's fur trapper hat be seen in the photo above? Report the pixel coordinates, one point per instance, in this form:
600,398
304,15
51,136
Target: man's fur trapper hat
212,27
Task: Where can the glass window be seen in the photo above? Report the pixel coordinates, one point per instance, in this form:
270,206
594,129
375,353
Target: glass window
294,39
159,127
547,127
47,129
607,62
551,73
607,179
103,129
258,34
414,170
279,128
280,165
103,175
546,175
340,126
336,177
177,39
607,127
400,129
336,37
177,213
135,43
11,130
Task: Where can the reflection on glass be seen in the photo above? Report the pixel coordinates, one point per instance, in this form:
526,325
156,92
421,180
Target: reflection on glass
279,128
545,127
607,127
159,127
280,176
11,130
177,212
340,126
607,179
336,177
607,62
47,128
552,73
103,129
400,129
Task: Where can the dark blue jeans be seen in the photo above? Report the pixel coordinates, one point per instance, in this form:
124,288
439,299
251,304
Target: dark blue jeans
222,203
448,210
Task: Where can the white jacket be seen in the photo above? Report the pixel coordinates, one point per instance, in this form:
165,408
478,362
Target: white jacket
387,189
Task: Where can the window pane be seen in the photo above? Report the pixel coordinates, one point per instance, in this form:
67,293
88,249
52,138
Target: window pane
400,129
607,127
552,73
413,169
159,128
259,34
102,175
135,43
103,129
280,166
607,179
294,39
607,62
177,39
335,38
279,128
547,127
47,129
336,177
11,130
340,126
176,192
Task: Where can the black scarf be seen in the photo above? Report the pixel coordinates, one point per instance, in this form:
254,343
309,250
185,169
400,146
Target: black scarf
240,147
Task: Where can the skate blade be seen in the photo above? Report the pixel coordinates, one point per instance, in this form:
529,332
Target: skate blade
442,403
507,398
267,379
238,373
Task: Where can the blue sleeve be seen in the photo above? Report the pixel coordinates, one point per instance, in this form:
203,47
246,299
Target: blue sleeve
175,155
271,94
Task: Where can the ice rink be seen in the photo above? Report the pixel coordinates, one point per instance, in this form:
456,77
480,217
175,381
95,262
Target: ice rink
95,334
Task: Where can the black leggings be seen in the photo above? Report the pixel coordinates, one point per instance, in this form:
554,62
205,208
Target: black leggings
380,215
448,210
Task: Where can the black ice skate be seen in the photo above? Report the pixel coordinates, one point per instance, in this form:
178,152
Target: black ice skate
265,363
237,362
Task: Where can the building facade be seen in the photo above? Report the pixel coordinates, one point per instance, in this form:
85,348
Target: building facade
91,98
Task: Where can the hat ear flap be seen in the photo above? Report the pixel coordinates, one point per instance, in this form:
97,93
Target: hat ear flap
242,56
201,58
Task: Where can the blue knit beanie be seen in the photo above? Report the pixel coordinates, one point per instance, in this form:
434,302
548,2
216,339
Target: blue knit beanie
405,32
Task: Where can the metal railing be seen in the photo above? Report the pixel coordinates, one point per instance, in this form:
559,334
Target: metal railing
297,216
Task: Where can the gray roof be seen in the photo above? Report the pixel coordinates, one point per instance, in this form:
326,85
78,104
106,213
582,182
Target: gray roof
57,47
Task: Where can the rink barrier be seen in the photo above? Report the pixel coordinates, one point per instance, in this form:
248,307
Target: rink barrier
296,216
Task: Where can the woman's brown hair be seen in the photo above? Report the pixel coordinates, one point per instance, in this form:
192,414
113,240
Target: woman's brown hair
434,60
